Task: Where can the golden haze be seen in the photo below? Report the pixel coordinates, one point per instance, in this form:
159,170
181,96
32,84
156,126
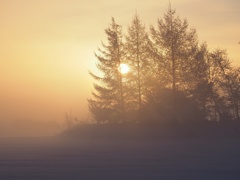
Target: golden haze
46,47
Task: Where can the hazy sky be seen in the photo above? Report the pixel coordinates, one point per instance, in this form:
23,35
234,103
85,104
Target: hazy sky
46,47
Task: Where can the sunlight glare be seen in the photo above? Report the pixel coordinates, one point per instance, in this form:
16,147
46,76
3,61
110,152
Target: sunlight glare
124,68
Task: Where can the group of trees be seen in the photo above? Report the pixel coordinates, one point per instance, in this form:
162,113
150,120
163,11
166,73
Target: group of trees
172,76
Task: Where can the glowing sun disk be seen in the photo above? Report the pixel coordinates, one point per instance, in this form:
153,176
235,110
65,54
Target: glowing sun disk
124,69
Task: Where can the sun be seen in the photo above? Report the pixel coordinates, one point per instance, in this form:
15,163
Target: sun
124,68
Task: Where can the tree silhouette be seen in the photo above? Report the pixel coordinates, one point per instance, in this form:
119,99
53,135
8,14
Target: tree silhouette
176,45
137,57
172,76
226,82
108,102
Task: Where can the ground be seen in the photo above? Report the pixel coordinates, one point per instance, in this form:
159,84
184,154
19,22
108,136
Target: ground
127,156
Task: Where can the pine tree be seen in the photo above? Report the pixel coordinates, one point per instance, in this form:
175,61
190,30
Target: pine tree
177,46
107,104
137,57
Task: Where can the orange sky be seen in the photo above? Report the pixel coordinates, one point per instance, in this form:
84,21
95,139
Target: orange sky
46,47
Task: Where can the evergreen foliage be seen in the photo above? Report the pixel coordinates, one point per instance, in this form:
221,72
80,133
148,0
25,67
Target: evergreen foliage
137,58
108,103
172,76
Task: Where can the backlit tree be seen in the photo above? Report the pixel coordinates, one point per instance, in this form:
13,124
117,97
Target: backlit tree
107,104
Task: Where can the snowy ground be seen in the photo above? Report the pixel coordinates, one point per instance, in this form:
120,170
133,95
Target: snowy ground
165,158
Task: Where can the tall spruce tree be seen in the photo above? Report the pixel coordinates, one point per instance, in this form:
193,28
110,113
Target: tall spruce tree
177,45
137,57
107,104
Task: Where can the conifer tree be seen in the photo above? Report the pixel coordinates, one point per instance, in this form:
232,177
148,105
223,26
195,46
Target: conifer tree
107,104
177,45
137,57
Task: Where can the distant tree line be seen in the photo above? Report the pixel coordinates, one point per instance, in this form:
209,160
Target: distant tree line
172,77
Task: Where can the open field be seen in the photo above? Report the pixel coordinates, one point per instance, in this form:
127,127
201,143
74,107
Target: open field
106,157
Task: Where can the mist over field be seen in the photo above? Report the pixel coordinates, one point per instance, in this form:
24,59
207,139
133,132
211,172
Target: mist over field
30,128
107,153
